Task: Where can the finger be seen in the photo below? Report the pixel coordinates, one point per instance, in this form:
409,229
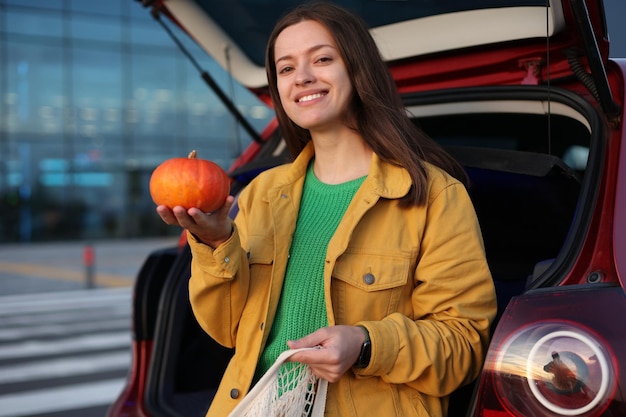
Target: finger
223,212
184,219
198,215
317,338
293,344
220,214
228,204
313,356
166,215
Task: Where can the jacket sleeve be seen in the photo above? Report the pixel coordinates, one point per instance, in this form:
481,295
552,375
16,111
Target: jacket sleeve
443,346
219,283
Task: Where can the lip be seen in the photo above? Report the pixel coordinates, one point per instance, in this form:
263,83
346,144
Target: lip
309,96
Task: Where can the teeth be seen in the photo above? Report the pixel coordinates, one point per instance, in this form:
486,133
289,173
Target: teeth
310,97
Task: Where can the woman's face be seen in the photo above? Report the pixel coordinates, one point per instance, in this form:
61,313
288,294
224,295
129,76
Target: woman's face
313,83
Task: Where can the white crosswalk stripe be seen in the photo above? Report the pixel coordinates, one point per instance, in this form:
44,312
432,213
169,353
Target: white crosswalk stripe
62,352
58,399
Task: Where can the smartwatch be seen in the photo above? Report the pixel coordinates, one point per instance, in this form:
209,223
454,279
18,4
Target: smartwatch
366,351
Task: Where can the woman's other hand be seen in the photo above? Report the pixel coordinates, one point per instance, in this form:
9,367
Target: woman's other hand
212,229
340,348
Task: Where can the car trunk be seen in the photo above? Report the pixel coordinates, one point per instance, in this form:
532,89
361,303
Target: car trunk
533,181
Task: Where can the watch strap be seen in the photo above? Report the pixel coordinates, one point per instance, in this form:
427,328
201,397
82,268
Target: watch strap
366,351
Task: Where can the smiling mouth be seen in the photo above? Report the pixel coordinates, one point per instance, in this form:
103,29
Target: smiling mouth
310,97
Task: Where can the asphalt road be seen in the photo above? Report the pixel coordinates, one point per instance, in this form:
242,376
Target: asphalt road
64,353
61,266
65,324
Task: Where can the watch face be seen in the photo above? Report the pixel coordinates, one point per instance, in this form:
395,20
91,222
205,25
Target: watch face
364,356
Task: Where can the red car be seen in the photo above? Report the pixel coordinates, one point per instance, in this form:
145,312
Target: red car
523,94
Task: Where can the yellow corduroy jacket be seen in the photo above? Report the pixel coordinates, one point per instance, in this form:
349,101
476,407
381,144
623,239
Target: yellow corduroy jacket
416,278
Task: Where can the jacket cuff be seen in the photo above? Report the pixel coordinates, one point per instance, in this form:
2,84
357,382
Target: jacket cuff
222,261
385,347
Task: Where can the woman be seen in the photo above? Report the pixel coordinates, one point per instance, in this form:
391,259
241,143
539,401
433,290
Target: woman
366,245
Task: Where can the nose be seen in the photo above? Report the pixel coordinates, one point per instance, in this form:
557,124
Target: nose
304,76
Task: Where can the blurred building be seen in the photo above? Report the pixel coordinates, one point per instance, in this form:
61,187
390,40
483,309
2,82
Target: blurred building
93,96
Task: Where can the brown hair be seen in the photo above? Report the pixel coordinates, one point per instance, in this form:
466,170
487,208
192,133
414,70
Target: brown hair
378,110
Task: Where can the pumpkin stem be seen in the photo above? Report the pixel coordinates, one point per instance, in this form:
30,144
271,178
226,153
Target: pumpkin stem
192,154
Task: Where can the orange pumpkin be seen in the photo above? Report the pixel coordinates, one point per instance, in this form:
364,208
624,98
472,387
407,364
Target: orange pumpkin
189,182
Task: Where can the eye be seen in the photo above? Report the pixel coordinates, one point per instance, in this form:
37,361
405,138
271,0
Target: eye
285,70
324,59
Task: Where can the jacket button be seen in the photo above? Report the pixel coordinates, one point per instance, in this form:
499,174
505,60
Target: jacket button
262,326
369,279
234,393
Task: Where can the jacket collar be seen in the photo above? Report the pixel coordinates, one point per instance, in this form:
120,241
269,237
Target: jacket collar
383,179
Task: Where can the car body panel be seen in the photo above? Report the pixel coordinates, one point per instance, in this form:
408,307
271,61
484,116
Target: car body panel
619,225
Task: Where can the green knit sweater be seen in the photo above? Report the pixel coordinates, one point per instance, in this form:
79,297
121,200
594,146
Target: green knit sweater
302,308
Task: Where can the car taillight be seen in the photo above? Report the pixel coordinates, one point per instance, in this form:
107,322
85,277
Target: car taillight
556,353
555,367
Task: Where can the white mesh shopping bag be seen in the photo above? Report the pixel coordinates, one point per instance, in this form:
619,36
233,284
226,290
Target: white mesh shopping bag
288,389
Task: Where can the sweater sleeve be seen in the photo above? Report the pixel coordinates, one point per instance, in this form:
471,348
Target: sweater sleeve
453,301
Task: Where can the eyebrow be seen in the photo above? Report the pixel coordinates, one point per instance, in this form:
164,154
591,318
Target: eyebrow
308,51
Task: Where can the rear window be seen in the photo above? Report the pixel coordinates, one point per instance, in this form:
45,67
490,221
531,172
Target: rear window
249,22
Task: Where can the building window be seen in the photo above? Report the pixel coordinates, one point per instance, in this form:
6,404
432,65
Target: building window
93,96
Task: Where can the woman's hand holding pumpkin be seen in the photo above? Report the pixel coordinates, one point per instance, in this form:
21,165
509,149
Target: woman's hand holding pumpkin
212,229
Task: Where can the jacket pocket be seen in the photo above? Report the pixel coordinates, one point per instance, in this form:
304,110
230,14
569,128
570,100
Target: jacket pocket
260,257
373,272
261,250
260,263
368,286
